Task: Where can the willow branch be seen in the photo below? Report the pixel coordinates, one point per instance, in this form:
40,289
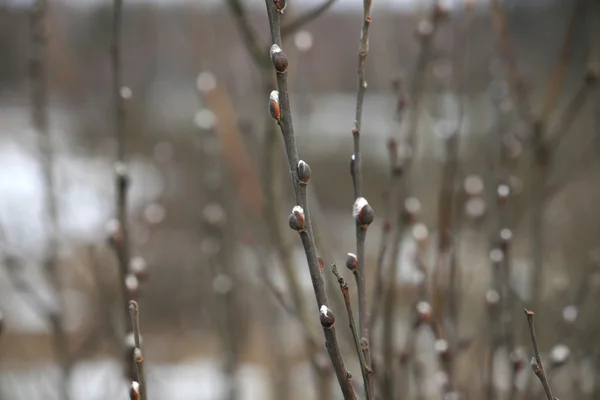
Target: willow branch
309,16
300,174
137,354
366,371
536,361
121,235
356,171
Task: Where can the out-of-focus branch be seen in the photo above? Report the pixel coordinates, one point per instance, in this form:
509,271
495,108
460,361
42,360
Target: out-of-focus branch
137,354
300,174
120,237
571,112
536,361
426,31
39,101
253,43
308,16
505,47
564,59
407,206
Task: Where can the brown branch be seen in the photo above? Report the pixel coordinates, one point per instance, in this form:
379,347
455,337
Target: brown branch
309,16
300,175
272,189
356,171
365,369
120,239
137,354
536,361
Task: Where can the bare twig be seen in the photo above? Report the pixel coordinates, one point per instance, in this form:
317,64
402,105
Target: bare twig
405,215
536,361
137,354
308,16
121,235
272,186
300,174
366,371
356,171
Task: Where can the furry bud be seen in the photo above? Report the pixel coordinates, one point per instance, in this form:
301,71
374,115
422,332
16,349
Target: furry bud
326,317
351,262
296,219
274,109
280,5
303,172
363,212
134,391
279,60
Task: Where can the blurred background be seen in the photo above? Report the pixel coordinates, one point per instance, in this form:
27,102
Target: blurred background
480,145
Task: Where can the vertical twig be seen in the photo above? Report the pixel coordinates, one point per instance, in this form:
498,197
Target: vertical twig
137,354
121,236
355,334
356,171
406,212
272,189
300,174
536,361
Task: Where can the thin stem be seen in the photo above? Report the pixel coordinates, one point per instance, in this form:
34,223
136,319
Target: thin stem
366,371
272,190
356,171
306,234
363,50
121,242
536,361
137,354
309,16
